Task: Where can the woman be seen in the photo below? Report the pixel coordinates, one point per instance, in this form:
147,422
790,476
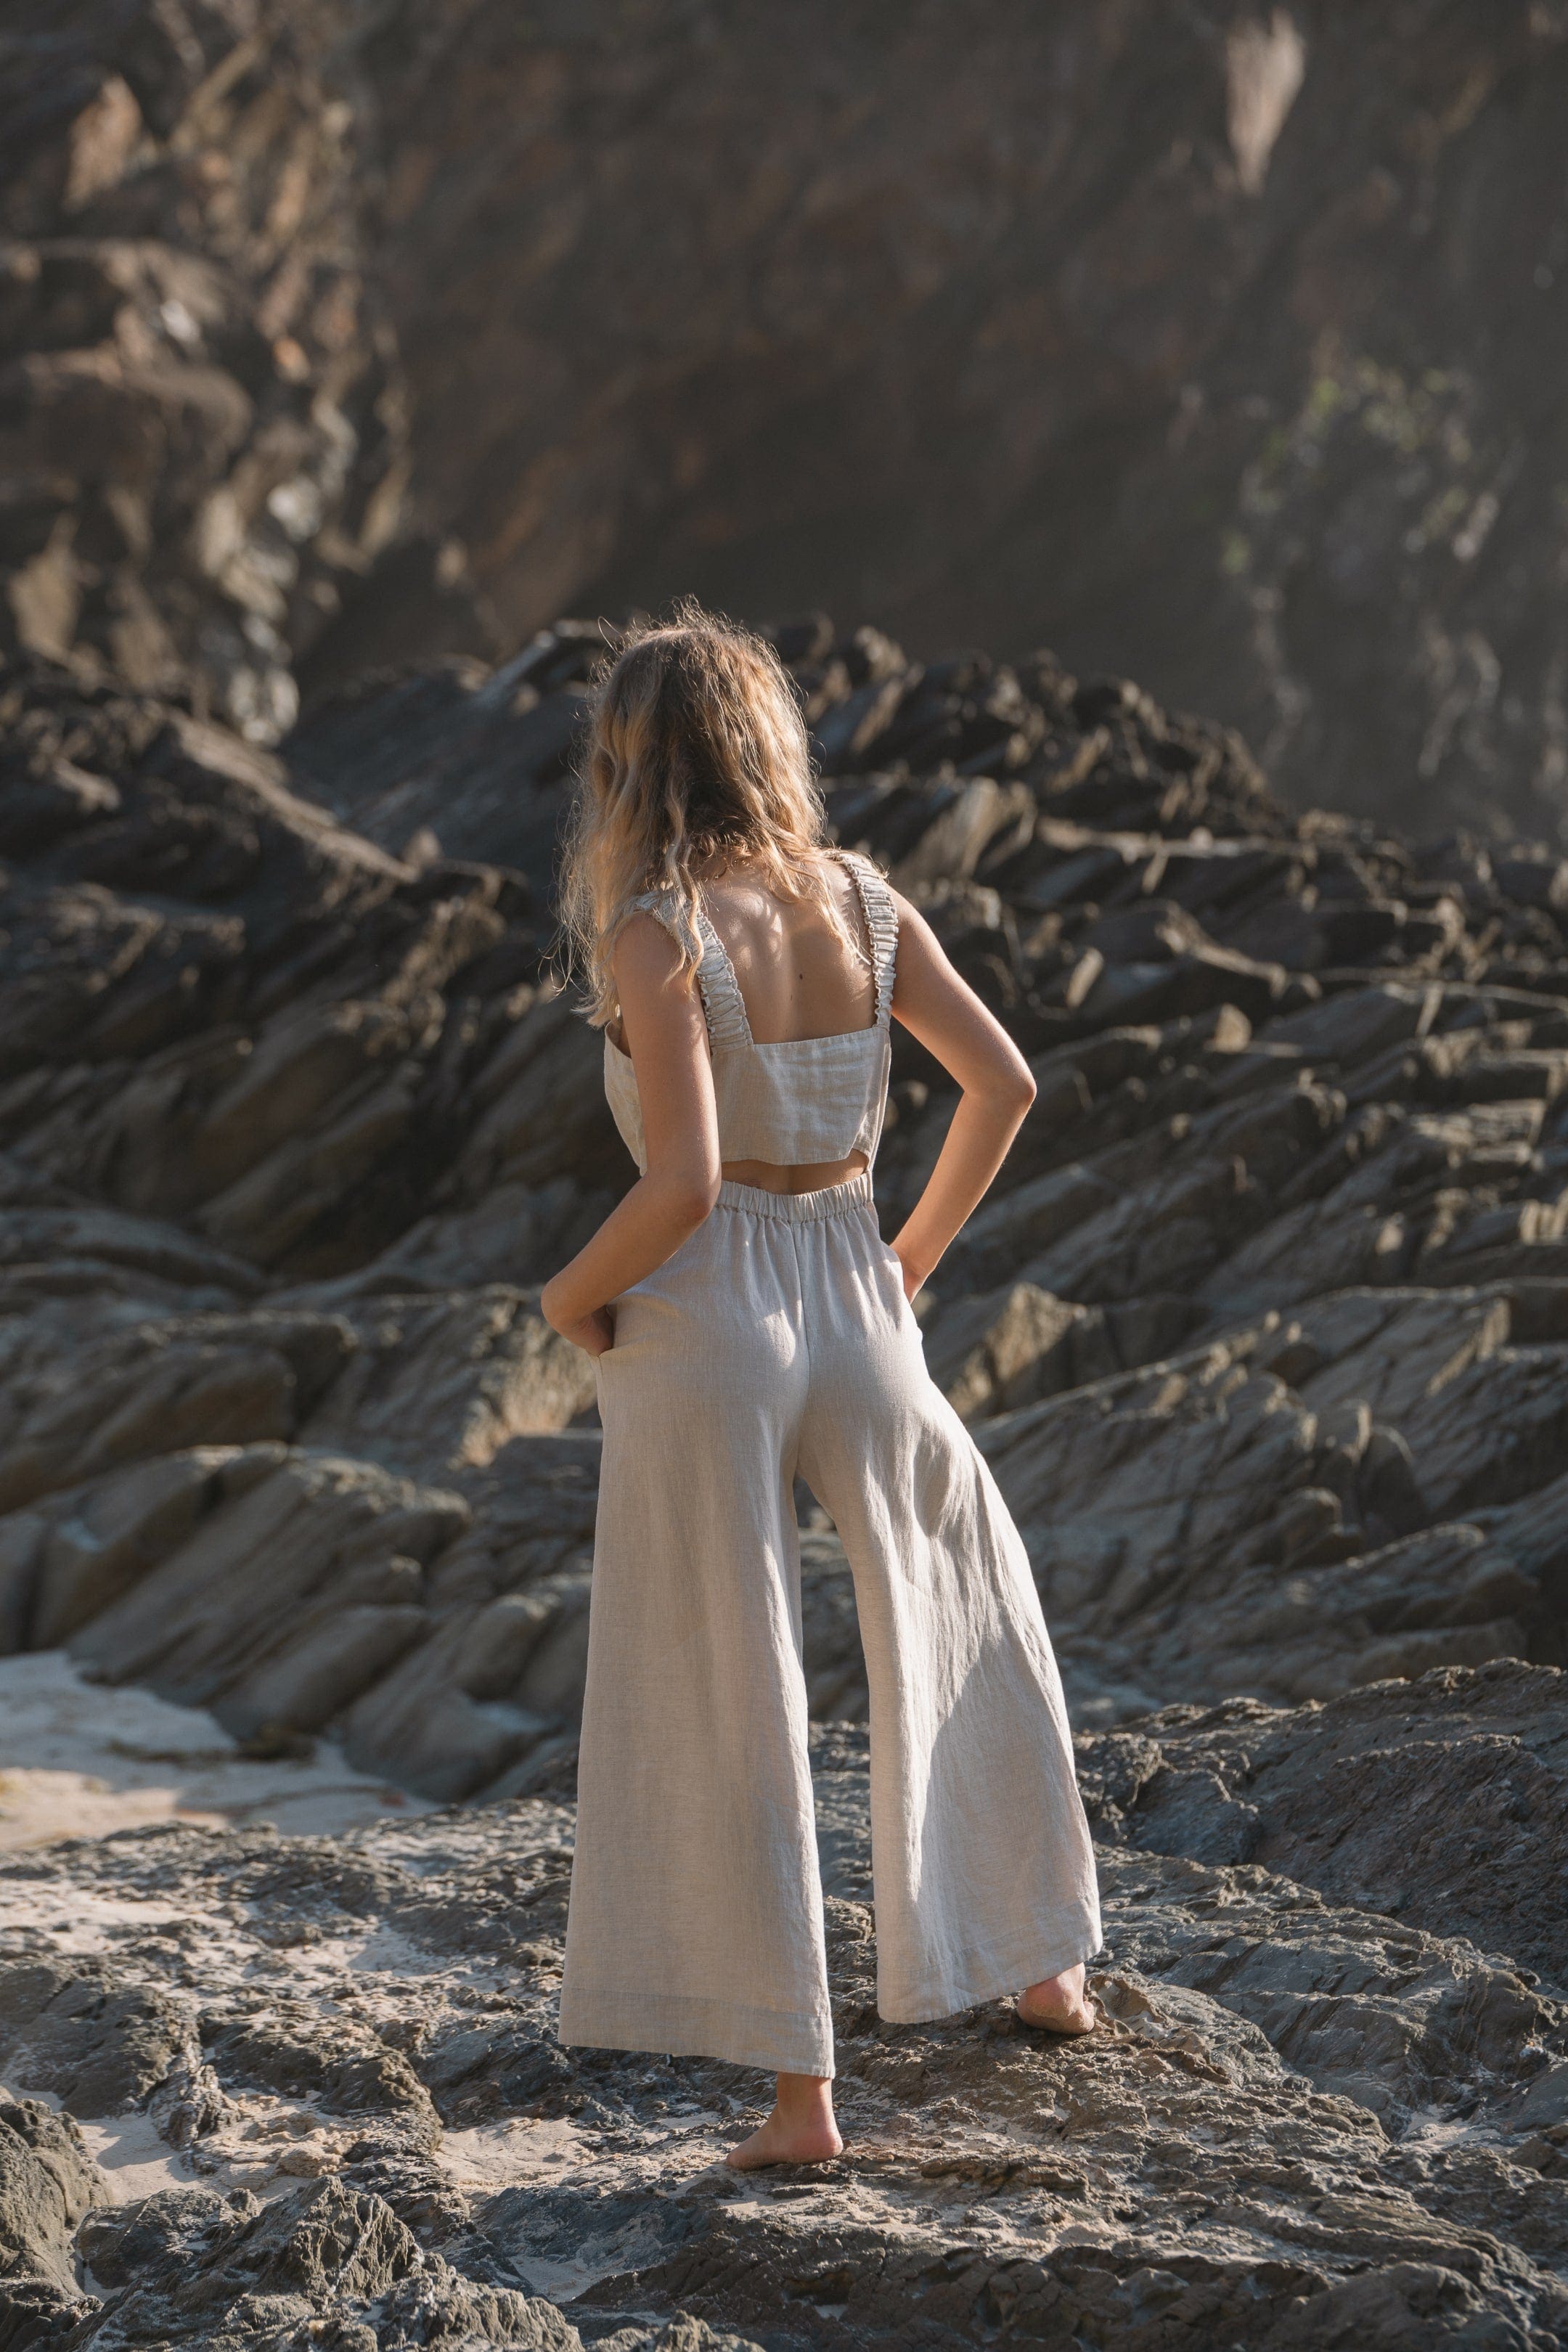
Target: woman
749,1323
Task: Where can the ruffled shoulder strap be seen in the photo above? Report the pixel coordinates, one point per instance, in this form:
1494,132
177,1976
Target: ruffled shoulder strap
881,924
721,999
723,1006
665,907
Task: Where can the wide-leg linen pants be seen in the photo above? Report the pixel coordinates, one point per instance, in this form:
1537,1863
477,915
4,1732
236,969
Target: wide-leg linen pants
778,1340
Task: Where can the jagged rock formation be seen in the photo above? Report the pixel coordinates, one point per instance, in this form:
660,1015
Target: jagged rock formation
49,2185
1222,342
1264,1332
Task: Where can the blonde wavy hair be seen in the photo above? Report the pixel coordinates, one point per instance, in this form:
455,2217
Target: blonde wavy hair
696,759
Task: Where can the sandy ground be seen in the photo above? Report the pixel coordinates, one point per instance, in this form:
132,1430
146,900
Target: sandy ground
268,2142
77,1760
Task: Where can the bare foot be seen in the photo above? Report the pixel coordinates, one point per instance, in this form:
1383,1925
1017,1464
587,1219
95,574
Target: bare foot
800,2130
1059,2005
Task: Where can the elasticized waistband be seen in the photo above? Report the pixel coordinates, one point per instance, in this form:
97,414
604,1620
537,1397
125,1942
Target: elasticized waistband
799,1208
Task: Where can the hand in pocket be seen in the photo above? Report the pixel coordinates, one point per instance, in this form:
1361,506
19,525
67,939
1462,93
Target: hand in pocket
596,1332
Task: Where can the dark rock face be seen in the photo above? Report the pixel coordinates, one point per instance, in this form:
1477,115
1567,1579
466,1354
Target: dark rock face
1224,343
203,416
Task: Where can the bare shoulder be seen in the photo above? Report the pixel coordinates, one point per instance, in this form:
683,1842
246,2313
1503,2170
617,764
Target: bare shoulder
644,954
913,927
924,977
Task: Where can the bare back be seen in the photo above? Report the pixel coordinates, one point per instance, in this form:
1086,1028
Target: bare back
798,980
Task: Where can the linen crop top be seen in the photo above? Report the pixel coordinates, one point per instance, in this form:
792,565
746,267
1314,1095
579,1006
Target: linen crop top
803,1100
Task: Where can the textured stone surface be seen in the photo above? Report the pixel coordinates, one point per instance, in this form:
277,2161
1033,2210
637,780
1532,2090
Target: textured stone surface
49,2184
1446,1811
1317,2105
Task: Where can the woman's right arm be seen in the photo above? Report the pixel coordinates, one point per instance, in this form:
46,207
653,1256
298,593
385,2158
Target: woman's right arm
943,1012
661,1016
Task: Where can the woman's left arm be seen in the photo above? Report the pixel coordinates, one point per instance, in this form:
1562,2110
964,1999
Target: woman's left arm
661,1014
996,1087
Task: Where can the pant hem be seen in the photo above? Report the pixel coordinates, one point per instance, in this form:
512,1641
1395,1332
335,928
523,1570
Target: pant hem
987,1971
779,2042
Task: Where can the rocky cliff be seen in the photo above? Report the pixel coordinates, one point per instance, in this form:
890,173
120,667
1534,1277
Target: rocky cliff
1221,341
1265,1333
204,421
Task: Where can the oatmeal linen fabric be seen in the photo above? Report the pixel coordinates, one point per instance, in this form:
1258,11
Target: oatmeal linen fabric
778,1340
798,1104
